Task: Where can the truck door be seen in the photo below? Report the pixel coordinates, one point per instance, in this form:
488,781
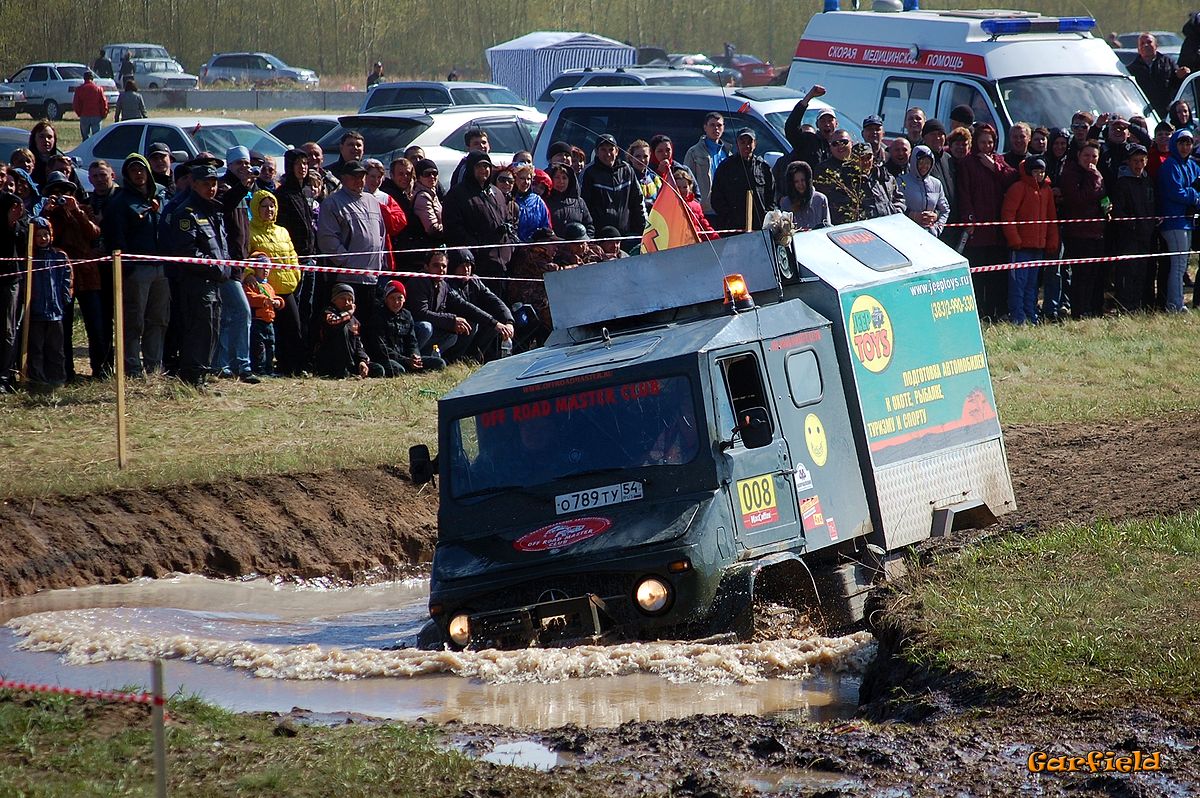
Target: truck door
758,479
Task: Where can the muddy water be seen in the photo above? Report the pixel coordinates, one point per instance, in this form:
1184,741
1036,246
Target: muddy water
263,646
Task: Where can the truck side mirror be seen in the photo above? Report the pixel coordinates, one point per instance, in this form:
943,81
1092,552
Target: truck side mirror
755,428
421,468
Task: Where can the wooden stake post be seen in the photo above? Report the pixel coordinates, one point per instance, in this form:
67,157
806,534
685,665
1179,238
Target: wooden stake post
749,211
119,357
158,721
26,321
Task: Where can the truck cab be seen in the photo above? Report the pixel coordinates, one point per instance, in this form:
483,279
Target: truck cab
688,429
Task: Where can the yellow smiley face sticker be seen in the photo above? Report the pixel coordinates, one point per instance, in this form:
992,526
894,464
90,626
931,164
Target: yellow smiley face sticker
814,437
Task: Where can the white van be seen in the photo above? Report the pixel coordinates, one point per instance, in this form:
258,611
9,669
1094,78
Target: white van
1008,66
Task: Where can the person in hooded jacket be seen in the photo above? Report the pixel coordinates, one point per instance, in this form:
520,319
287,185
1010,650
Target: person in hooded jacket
1029,200
1179,114
532,213
983,178
809,207
564,202
924,196
611,191
296,215
14,226
26,190
1189,51
132,226
1133,195
475,213
273,240
1178,200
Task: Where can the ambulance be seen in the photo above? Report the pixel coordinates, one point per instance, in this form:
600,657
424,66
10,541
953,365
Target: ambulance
757,415
1007,66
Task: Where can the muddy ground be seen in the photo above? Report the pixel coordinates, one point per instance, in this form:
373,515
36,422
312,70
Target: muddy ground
941,734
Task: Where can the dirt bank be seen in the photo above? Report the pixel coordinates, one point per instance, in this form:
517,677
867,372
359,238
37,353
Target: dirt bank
352,524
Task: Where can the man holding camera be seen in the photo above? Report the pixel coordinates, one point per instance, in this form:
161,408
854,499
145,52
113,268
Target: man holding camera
475,213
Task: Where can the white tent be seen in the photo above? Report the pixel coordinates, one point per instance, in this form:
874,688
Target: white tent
529,63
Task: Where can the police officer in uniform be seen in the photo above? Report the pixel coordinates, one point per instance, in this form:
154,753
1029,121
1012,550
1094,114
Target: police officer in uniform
198,231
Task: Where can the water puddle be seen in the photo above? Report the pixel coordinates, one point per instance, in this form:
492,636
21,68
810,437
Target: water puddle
520,753
261,646
775,780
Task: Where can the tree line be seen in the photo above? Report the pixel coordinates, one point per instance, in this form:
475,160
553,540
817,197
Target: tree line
426,40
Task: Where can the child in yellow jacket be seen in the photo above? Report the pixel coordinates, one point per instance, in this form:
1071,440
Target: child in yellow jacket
264,304
276,243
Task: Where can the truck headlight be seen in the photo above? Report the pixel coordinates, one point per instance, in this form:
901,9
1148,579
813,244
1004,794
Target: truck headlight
460,629
652,595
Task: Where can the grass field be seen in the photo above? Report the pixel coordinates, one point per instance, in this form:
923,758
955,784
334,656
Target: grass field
65,442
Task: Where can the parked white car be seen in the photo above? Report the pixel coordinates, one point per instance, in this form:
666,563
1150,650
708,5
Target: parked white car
185,135
48,87
387,134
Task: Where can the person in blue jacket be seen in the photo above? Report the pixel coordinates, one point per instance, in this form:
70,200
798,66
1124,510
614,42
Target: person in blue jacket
48,299
1178,200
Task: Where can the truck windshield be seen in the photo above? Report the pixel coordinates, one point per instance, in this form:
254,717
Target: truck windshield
1044,100
628,425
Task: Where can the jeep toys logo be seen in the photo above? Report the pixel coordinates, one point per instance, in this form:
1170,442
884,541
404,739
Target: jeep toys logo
562,534
871,333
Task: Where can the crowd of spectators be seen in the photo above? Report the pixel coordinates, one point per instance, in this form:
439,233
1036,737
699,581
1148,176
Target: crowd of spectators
318,303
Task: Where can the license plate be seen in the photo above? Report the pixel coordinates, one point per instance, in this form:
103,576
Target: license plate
7,103
598,497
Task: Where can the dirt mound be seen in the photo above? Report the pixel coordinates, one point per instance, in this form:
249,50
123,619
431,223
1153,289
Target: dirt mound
344,524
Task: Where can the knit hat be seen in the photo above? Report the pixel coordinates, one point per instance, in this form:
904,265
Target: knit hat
1034,162
341,288
558,148
394,286
425,165
963,115
542,178
932,126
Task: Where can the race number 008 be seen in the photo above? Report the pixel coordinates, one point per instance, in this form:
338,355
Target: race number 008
756,494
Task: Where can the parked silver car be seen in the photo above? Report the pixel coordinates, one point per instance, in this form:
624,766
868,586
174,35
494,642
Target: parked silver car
48,87
256,69
436,93
161,73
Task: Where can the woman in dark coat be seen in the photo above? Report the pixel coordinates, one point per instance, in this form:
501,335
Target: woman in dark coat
983,179
564,202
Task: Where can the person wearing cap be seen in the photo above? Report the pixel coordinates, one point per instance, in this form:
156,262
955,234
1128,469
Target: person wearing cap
232,359
198,231
267,177
132,226
611,192
558,152
159,156
961,116
933,137
1135,229
339,348
812,148
476,214
872,131
375,75
703,158
742,174
90,105
390,336
1178,200
500,318
76,234
1030,201
351,228
1120,137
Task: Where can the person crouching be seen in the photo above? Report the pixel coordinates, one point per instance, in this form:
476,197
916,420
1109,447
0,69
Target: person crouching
340,351
391,338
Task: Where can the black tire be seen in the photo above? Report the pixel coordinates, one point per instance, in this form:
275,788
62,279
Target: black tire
52,110
153,86
8,114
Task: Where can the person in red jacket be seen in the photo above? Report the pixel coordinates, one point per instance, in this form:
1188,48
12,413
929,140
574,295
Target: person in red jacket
1082,188
89,104
983,177
1029,200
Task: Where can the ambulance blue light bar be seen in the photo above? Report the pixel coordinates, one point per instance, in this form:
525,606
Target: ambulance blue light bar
1007,27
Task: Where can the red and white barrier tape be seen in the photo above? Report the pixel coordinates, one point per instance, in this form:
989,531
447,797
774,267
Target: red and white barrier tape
1070,221
81,692
1031,264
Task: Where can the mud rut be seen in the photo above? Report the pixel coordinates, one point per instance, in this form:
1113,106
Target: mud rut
941,734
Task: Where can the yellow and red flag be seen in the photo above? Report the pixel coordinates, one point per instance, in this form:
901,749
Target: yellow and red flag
669,223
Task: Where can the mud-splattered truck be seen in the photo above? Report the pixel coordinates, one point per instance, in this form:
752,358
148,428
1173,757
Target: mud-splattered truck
709,421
